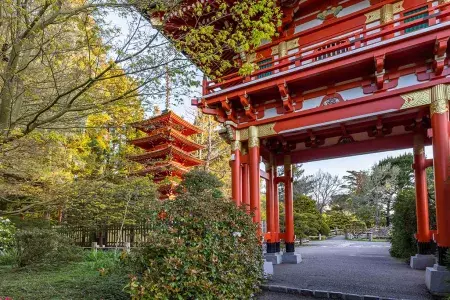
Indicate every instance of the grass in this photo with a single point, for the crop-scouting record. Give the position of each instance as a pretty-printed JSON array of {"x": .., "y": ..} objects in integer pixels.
[{"x": 81, "y": 280}]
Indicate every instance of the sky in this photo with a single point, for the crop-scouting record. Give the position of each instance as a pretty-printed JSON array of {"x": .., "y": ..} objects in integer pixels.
[{"x": 337, "y": 166}]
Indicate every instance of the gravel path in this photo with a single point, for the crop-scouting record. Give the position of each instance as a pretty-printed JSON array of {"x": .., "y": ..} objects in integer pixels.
[{"x": 363, "y": 268}]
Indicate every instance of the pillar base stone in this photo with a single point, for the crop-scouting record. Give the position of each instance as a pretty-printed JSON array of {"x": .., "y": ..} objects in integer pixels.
[
  {"x": 268, "y": 268},
  {"x": 422, "y": 261},
  {"x": 274, "y": 258},
  {"x": 437, "y": 279},
  {"x": 291, "y": 258}
]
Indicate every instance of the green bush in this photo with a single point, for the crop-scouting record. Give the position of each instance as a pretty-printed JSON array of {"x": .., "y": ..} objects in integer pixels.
[
  {"x": 307, "y": 219},
  {"x": 44, "y": 246},
  {"x": 202, "y": 247},
  {"x": 7, "y": 230},
  {"x": 404, "y": 225}
]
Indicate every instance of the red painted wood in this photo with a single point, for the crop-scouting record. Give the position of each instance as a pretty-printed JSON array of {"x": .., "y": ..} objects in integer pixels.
[
  {"x": 289, "y": 207},
  {"x": 236, "y": 177},
  {"x": 423, "y": 223},
  {"x": 439, "y": 123},
  {"x": 389, "y": 143}
]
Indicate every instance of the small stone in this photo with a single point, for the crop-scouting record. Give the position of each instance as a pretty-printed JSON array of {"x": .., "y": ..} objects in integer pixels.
[
  {"x": 320, "y": 294},
  {"x": 277, "y": 288},
  {"x": 305, "y": 292}
]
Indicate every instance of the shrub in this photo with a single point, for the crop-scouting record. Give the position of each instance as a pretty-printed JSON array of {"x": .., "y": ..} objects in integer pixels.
[
  {"x": 404, "y": 225},
  {"x": 44, "y": 246},
  {"x": 7, "y": 230},
  {"x": 203, "y": 247},
  {"x": 198, "y": 181}
]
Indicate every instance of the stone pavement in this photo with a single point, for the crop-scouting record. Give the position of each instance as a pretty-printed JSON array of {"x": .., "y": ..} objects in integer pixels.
[{"x": 351, "y": 267}]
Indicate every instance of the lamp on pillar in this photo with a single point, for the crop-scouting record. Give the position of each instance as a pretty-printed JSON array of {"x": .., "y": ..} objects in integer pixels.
[
  {"x": 437, "y": 277},
  {"x": 289, "y": 237},
  {"x": 424, "y": 258}
]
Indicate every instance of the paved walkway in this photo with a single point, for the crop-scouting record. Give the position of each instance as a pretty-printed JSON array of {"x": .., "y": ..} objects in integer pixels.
[{"x": 363, "y": 268}]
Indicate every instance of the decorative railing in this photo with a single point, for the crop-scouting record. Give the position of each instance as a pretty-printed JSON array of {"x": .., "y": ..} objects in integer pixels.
[{"x": 406, "y": 22}]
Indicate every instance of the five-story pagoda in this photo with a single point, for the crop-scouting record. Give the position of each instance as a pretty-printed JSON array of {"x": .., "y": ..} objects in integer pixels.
[{"x": 168, "y": 150}]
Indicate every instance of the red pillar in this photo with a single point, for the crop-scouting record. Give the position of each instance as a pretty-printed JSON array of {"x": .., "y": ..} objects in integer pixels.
[
  {"x": 423, "y": 224},
  {"x": 254, "y": 160},
  {"x": 270, "y": 208},
  {"x": 439, "y": 123},
  {"x": 236, "y": 172},
  {"x": 276, "y": 211},
  {"x": 289, "y": 236},
  {"x": 245, "y": 187}
]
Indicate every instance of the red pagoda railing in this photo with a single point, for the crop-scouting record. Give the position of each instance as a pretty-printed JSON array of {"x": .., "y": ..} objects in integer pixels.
[{"x": 359, "y": 38}]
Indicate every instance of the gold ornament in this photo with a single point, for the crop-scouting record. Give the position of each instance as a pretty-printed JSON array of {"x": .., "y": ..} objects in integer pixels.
[
  {"x": 253, "y": 139},
  {"x": 236, "y": 145},
  {"x": 386, "y": 14},
  {"x": 439, "y": 99},
  {"x": 417, "y": 98}
]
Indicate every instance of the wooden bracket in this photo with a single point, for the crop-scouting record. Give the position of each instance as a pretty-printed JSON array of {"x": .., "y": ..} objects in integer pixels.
[
  {"x": 379, "y": 70},
  {"x": 440, "y": 49},
  {"x": 285, "y": 97},
  {"x": 227, "y": 108},
  {"x": 245, "y": 101}
]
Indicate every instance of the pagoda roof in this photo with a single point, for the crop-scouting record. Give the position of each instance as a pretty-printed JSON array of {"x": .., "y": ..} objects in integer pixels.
[
  {"x": 161, "y": 170},
  {"x": 167, "y": 119},
  {"x": 163, "y": 151},
  {"x": 166, "y": 135}
]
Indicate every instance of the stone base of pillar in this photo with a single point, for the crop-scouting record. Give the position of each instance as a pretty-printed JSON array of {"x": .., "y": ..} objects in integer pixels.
[
  {"x": 422, "y": 261},
  {"x": 437, "y": 280},
  {"x": 274, "y": 258},
  {"x": 291, "y": 258},
  {"x": 267, "y": 268}
]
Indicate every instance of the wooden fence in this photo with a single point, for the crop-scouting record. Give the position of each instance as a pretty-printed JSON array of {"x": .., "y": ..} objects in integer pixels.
[{"x": 107, "y": 236}]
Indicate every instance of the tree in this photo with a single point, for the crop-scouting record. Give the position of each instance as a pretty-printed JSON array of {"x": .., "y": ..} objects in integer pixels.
[
  {"x": 93, "y": 203},
  {"x": 61, "y": 61},
  {"x": 405, "y": 177},
  {"x": 303, "y": 184},
  {"x": 216, "y": 153},
  {"x": 325, "y": 186},
  {"x": 307, "y": 219}
]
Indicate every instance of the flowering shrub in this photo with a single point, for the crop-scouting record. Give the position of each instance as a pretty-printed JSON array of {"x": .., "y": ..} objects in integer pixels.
[
  {"x": 202, "y": 247},
  {"x": 7, "y": 230}
]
